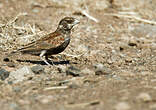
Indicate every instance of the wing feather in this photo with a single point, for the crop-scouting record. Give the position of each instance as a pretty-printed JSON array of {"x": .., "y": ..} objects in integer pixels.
[{"x": 52, "y": 40}]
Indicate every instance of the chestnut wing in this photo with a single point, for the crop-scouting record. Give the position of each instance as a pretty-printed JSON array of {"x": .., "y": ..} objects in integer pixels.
[{"x": 53, "y": 40}]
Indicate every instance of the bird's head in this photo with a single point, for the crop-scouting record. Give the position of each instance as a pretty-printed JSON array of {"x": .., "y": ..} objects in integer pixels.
[{"x": 67, "y": 23}]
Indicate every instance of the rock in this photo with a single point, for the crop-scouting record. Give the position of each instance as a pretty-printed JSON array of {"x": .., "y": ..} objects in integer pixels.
[
  {"x": 132, "y": 43},
  {"x": 35, "y": 10},
  {"x": 11, "y": 64},
  {"x": 73, "y": 71},
  {"x": 76, "y": 82},
  {"x": 4, "y": 74},
  {"x": 20, "y": 75},
  {"x": 128, "y": 60},
  {"x": 101, "y": 70},
  {"x": 122, "y": 106},
  {"x": 6, "y": 59},
  {"x": 45, "y": 99},
  {"x": 38, "y": 69},
  {"x": 144, "y": 97},
  {"x": 88, "y": 71}
]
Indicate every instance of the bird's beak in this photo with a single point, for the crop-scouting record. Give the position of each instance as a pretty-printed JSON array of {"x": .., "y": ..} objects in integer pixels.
[{"x": 76, "y": 22}]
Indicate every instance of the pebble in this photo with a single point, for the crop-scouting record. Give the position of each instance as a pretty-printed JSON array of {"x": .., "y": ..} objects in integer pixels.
[
  {"x": 73, "y": 71},
  {"x": 122, "y": 106},
  {"x": 87, "y": 71},
  {"x": 128, "y": 60},
  {"x": 45, "y": 99},
  {"x": 76, "y": 82},
  {"x": 132, "y": 43},
  {"x": 20, "y": 75},
  {"x": 4, "y": 74},
  {"x": 100, "y": 69},
  {"x": 11, "y": 64},
  {"x": 145, "y": 97},
  {"x": 35, "y": 10},
  {"x": 38, "y": 69}
]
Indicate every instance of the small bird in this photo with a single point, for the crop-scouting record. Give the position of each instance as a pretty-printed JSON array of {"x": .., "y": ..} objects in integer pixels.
[{"x": 53, "y": 43}]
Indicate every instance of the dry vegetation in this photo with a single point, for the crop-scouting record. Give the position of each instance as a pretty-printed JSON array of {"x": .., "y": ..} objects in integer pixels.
[{"x": 109, "y": 64}]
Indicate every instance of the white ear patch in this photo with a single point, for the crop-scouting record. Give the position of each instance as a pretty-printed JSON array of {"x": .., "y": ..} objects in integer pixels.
[{"x": 60, "y": 26}]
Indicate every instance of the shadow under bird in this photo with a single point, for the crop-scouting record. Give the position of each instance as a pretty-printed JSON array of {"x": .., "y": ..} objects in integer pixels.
[{"x": 52, "y": 43}]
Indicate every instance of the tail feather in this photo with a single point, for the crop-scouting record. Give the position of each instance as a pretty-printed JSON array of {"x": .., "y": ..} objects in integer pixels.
[{"x": 12, "y": 53}]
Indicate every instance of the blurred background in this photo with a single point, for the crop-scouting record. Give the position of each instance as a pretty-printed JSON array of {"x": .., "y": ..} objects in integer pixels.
[{"x": 112, "y": 63}]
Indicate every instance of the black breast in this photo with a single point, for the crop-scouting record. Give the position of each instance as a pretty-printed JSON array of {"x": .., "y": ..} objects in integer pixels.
[{"x": 58, "y": 49}]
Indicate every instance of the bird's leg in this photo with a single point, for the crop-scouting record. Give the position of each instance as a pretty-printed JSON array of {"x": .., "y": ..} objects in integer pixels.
[
  {"x": 46, "y": 57},
  {"x": 41, "y": 56}
]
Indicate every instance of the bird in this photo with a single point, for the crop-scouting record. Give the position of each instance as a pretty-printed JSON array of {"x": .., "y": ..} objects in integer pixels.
[{"x": 53, "y": 43}]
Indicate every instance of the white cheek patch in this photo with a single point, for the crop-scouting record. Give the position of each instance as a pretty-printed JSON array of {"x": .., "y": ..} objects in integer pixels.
[{"x": 61, "y": 26}]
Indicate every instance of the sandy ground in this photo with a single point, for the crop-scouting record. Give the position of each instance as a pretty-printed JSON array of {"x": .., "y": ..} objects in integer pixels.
[{"x": 110, "y": 63}]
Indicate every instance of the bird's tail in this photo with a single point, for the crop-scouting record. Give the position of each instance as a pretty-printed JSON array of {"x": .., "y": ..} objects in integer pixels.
[{"x": 7, "y": 56}]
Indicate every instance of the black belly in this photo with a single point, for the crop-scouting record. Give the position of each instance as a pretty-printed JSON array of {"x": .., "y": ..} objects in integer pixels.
[
  {"x": 58, "y": 49},
  {"x": 49, "y": 52}
]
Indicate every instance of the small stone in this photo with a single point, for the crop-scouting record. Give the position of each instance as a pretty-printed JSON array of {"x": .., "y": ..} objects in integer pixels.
[
  {"x": 24, "y": 102},
  {"x": 131, "y": 43},
  {"x": 144, "y": 97},
  {"x": 73, "y": 71},
  {"x": 101, "y": 70},
  {"x": 76, "y": 82},
  {"x": 20, "y": 75},
  {"x": 35, "y": 10},
  {"x": 87, "y": 71},
  {"x": 38, "y": 69},
  {"x": 121, "y": 48},
  {"x": 4, "y": 74},
  {"x": 128, "y": 60},
  {"x": 45, "y": 99},
  {"x": 6, "y": 59},
  {"x": 122, "y": 106},
  {"x": 11, "y": 64}
]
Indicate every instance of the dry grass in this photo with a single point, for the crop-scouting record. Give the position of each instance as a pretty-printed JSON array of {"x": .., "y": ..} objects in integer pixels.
[{"x": 13, "y": 36}]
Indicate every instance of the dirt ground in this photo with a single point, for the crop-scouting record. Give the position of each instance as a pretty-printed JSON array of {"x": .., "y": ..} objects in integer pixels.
[{"x": 110, "y": 63}]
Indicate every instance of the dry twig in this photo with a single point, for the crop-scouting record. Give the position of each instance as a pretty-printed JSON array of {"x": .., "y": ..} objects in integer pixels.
[
  {"x": 133, "y": 17},
  {"x": 95, "y": 102},
  {"x": 56, "y": 87}
]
